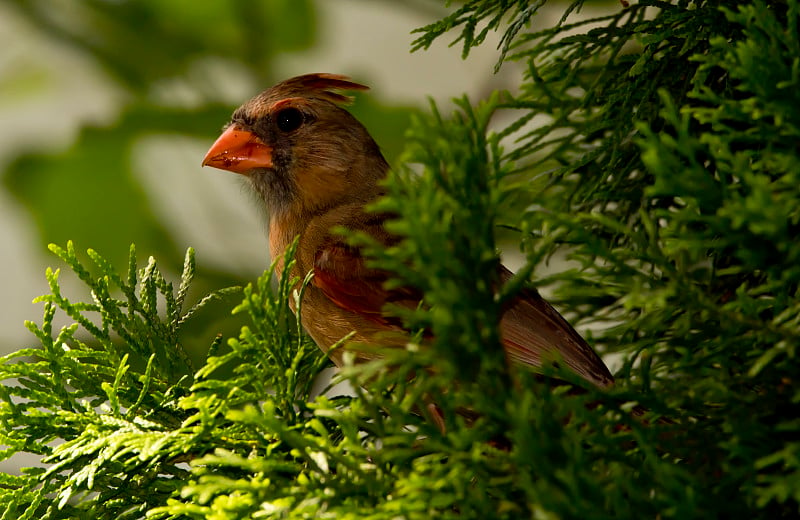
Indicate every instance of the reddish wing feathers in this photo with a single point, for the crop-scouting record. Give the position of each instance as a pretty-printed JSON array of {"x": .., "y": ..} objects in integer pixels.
[{"x": 340, "y": 272}]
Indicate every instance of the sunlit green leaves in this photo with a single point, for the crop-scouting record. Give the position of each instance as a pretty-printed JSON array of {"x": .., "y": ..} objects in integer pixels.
[{"x": 99, "y": 395}]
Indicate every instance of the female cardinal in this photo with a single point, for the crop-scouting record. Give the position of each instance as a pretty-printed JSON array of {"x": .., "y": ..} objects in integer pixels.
[{"x": 316, "y": 167}]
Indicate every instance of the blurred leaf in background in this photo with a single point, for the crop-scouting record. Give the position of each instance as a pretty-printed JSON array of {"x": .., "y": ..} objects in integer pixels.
[{"x": 171, "y": 73}]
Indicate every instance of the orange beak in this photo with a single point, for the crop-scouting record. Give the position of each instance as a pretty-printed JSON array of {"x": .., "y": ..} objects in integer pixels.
[{"x": 238, "y": 151}]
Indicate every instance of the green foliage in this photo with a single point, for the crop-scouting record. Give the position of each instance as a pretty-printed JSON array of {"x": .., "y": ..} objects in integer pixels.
[
  {"x": 120, "y": 399},
  {"x": 663, "y": 162}
]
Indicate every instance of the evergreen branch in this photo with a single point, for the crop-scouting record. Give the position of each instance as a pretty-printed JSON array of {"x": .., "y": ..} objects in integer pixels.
[{"x": 666, "y": 172}]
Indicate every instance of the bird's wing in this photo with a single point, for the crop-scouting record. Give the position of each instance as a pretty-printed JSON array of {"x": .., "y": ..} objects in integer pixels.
[
  {"x": 340, "y": 272},
  {"x": 534, "y": 332},
  {"x": 343, "y": 276}
]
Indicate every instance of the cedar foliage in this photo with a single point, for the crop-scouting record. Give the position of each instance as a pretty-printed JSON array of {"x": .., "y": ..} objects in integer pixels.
[{"x": 664, "y": 164}]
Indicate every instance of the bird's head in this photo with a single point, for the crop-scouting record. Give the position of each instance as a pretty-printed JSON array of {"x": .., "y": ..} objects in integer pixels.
[{"x": 300, "y": 149}]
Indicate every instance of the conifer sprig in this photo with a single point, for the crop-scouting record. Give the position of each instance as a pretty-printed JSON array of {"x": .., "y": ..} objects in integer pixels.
[{"x": 654, "y": 147}]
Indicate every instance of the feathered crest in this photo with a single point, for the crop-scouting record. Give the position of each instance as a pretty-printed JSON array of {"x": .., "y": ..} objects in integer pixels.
[{"x": 319, "y": 85}]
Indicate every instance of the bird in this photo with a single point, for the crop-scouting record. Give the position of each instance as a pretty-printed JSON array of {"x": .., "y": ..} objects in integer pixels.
[{"x": 315, "y": 168}]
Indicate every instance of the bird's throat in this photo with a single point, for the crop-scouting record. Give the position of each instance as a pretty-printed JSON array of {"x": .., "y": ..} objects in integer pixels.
[{"x": 275, "y": 190}]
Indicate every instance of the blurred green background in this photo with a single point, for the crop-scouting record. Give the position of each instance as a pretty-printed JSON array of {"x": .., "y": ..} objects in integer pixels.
[{"x": 107, "y": 108}]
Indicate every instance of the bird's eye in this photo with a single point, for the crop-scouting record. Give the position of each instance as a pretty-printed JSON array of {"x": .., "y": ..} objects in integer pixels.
[{"x": 289, "y": 119}]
